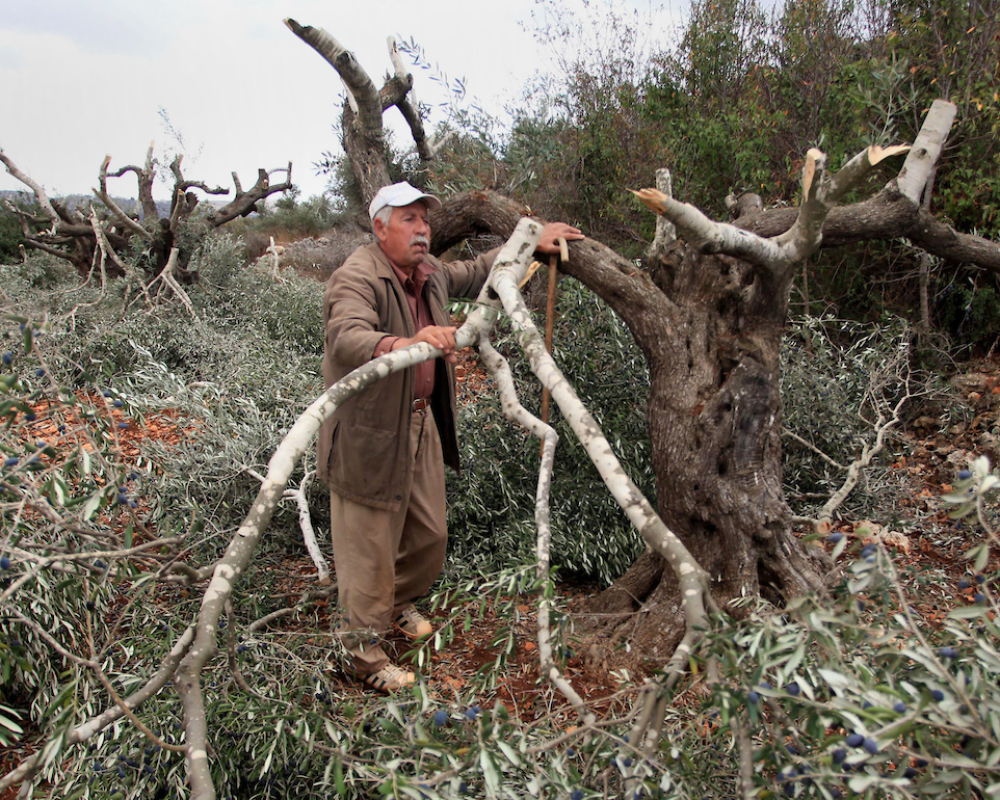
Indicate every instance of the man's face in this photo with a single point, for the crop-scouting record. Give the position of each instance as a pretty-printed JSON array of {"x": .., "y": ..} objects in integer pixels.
[{"x": 406, "y": 239}]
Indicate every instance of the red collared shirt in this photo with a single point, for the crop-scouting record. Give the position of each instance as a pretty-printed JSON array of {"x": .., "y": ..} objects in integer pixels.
[{"x": 413, "y": 286}]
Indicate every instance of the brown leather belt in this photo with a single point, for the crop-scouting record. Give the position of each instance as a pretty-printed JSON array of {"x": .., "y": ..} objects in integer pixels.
[{"x": 421, "y": 403}]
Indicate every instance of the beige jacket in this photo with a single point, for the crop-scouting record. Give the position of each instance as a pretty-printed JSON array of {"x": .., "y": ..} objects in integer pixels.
[{"x": 363, "y": 450}]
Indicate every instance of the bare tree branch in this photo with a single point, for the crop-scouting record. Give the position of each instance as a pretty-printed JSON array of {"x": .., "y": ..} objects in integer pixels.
[
  {"x": 920, "y": 161},
  {"x": 245, "y": 202},
  {"x": 301, "y": 498},
  {"x": 144, "y": 176},
  {"x": 857, "y": 467},
  {"x": 105, "y": 198},
  {"x": 43, "y": 198},
  {"x": 514, "y": 411},
  {"x": 354, "y": 76},
  {"x": 693, "y": 581},
  {"x": 779, "y": 253},
  {"x": 167, "y": 276}
]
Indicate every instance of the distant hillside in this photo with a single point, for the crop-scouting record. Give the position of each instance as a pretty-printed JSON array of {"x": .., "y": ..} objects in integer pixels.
[{"x": 128, "y": 204}]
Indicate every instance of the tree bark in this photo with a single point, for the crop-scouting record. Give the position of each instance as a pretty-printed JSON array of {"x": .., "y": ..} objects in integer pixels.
[
  {"x": 710, "y": 328},
  {"x": 708, "y": 312},
  {"x": 715, "y": 425},
  {"x": 361, "y": 121}
]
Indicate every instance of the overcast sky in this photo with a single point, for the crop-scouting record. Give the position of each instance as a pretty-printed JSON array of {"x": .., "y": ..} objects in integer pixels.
[{"x": 80, "y": 79}]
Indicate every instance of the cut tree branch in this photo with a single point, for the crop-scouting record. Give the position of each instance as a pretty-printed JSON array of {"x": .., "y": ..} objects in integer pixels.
[
  {"x": 696, "y": 598},
  {"x": 144, "y": 177},
  {"x": 779, "y": 253},
  {"x": 515, "y": 412},
  {"x": 245, "y": 202},
  {"x": 507, "y": 269},
  {"x": 40, "y": 195},
  {"x": 361, "y": 87},
  {"x": 105, "y": 198},
  {"x": 920, "y": 161},
  {"x": 31, "y": 766}
]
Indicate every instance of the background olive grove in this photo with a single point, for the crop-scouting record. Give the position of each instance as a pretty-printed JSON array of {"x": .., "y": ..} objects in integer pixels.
[{"x": 732, "y": 108}]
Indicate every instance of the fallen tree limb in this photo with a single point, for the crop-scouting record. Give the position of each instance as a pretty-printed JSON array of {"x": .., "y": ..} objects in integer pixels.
[{"x": 516, "y": 412}]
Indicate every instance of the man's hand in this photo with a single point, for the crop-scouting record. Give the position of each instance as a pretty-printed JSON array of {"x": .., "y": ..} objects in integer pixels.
[
  {"x": 443, "y": 338},
  {"x": 552, "y": 232}
]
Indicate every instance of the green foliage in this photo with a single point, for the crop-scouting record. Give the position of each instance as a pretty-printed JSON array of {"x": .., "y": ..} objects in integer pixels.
[
  {"x": 11, "y": 237},
  {"x": 281, "y": 723},
  {"x": 734, "y": 105},
  {"x": 82, "y": 370},
  {"x": 970, "y": 312},
  {"x": 293, "y": 219},
  {"x": 839, "y": 379},
  {"x": 951, "y": 50},
  {"x": 859, "y": 695}
]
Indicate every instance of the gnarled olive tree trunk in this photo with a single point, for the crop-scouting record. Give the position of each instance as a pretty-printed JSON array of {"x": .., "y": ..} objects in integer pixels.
[
  {"x": 710, "y": 329},
  {"x": 715, "y": 429}
]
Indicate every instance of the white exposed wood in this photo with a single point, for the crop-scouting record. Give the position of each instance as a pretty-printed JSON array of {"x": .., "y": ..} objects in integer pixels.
[
  {"x": 301, "y": 498},
  {"x": 805, "y": 236},
  {"x": 820, "y": 192},
  {"x": 926, "y": 149},
  {"x": 275, "y": 251},
  {"x": 400, "y": 68},
  {"x": 708, "y": 236},
  {"x": 352, "y": 101},
  {"x": 666, "y": 231},
  {"x": 167, "y": 276},
  {"x": 514, "y": 411},
  {"x": 814, "y": 158}
]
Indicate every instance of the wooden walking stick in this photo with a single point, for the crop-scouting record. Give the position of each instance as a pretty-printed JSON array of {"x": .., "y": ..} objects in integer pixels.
[{"x": 550, "y": 312}]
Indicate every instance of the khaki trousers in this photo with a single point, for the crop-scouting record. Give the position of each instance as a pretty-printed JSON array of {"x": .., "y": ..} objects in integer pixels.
[{"x": 387, "y": 559}]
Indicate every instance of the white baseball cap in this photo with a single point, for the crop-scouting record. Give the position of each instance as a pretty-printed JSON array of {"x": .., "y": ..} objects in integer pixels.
[{"x": 400, "y": 194}]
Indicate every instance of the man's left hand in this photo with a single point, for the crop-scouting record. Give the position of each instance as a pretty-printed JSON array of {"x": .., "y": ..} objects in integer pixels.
[{"x": 552, "y": 232}]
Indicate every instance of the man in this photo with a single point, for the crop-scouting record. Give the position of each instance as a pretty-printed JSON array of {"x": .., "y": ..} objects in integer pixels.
[{"x": 383, "y": 451}]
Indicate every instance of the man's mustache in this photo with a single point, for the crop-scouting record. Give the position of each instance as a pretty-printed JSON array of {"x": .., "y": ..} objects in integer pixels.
[{"x": 420, "y": 239}]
